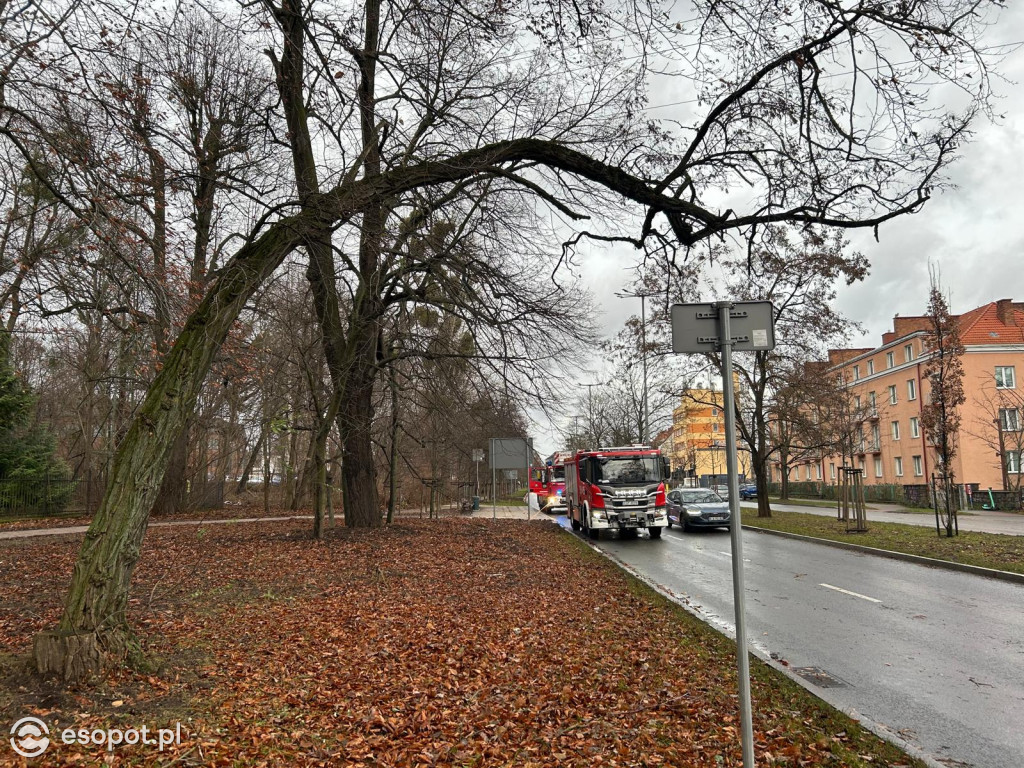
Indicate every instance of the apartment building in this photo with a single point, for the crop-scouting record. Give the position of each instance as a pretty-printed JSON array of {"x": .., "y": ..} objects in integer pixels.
[
  {"x": 888, "y": 389},
  {"x": 698, "y": 439}
]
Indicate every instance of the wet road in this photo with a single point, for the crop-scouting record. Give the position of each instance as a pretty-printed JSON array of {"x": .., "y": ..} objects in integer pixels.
[{"x": 935, "y": 656}]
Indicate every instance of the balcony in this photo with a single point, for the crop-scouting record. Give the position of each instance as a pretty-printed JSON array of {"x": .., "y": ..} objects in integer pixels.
[{"x": 869, "y": 413}]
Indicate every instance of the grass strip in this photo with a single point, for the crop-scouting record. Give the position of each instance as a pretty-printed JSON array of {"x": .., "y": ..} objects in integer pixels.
[{"x": 987, "y": 550}]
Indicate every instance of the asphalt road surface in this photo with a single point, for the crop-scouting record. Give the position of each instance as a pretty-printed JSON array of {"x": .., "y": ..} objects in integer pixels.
[{"x": 935, "y": 656}]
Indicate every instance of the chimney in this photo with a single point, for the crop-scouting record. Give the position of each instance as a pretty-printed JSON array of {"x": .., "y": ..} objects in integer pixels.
[{"x": 1004, "y": 311}]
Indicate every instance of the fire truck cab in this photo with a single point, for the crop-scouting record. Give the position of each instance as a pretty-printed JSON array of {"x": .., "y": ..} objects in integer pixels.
[
  {"x": 618, "y": 489},
  {"x": 553, "y": 499}
]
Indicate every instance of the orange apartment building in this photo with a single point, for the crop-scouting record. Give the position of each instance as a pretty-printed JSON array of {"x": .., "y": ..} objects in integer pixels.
[
  {"x": 698, "y": 439},
  {"x": 888, "y": 389}
]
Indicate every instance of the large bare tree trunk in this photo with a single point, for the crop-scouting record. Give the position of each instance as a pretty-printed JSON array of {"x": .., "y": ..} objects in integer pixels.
[
  {"x": 351, "y": 361},
  {"x": 93, "y": 626}
]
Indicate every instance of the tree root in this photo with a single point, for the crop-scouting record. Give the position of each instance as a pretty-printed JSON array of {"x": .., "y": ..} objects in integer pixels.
[{"x": 77, "y": 656}]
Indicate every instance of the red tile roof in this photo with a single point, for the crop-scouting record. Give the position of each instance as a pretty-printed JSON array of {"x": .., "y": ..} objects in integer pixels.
[{"x": 984, "y": 325}]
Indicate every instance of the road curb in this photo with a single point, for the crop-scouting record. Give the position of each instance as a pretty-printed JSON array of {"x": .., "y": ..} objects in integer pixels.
[
  {"x": 977, "y": 570},
  {"x": 880, "y": 730}
]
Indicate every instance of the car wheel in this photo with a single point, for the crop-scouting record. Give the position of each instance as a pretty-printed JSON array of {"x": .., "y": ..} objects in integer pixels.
[{"x": 686, "y": 526}]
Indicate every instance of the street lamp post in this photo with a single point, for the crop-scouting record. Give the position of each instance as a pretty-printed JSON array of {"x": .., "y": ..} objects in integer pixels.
[
  {"x": 645, "y": 427},
  {"x": 590, "y": 407},
  {"x": 643, "y": 347}
]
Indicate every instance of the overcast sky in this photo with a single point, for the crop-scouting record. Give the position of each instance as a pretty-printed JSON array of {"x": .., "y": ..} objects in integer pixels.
[{"x": 974, "y": 233}]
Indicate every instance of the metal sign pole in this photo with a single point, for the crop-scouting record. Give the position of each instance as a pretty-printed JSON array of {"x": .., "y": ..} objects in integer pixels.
[{"x": 735, "y": 531}]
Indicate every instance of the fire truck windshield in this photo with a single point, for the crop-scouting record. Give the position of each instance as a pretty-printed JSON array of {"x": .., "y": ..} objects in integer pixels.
[
  {"x": 628, "y": 470},
  {"x": 558, "y": 473}
]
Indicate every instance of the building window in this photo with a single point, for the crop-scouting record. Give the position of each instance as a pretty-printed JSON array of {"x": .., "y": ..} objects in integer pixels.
[
  {"x": 915, "y": 427},
  {"x": 898, "y": 461},
  {"x": 892, "y": 395},
  {"x": 918, "y": 467},
  {"x": 895, "y": 430},
  {"x": 856, "y": 402},
  {"x": 714, "y": 412},
  {"x": 856, "y": 372},
  {"x": 876, "y": 437},
  {"x": 878, "y": 466},
  {"x": 1009, "y": 419},
  {"x": 1005, "y": 378},
  {"x": 908, "y": 352},
  {"x": 889, "y": 361},
  {"x": 817, "y": 472},
  {"x": 714, "y": 427},
  {"x": 871, "y": 367},
  {"x": 911, "y": 389},
  {"x": 807, "y": 471},
  {"x": 832, "y": 471},
  {"x": 1013, "y": 461}
]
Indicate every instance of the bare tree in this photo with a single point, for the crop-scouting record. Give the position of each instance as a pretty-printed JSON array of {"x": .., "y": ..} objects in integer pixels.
[{"x": 782, "y": 111}]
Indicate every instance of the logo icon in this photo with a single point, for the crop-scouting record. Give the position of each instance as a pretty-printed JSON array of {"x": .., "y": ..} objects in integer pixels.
[{"x": 30, "y": 737}]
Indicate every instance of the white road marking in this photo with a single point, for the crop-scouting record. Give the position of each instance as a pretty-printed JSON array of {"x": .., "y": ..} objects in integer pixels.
[
  {"x": 729, "y": 554},
  {"x": 852, "y": 594}
]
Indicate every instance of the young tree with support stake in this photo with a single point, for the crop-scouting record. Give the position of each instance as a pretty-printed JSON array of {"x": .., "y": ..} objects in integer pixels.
[{"x": 940, "y": 419}]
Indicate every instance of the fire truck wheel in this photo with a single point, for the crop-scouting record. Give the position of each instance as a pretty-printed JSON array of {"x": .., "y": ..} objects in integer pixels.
[
  {"x": 575, "y": 523},
  {"x": 654, "y": 532},
  {"x": 593, "y": 533}
]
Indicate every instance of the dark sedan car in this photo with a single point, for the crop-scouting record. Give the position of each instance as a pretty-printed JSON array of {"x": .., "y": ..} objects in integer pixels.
[
  {"x": 697, "y": 508},
  {"x": 748, "y": 491}
]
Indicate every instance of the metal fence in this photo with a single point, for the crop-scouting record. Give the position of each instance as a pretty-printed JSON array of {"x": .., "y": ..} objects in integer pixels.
[
  {"x": 46, "y": 495},
  {"x": 908, "y": 495}
]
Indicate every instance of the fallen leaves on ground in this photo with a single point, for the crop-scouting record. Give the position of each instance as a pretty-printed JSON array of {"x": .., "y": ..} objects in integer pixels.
[{"x": 454, "y": 642}]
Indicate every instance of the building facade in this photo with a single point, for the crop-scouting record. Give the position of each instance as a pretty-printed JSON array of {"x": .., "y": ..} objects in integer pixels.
[
  {"x": 698, "y": 440},
  {"x": 888, "y": 390}
]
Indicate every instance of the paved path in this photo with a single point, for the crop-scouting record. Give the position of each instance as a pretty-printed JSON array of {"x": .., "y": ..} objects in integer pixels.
[
  {"x": 980, "y": 520},
  {"x": 28, "y": 532},
  {"x": 487, "y": 512}
]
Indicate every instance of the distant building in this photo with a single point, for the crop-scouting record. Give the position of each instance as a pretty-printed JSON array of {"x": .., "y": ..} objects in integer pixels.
[
  {"x": 698, "y": 440},
  {"x": 888, "y": 388}
]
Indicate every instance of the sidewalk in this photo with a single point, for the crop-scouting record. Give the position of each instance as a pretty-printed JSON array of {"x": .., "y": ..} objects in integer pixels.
[
  {"x": 485, "y": 512},
  {"x": 979, "y": 520}
]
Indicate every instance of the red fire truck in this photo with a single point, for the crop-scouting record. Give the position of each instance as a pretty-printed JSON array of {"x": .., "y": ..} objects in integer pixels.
[
  {"x": 548, "y": 482},
  {"x": 552, "y": 500},
  {"x": 617, "y": 489}
]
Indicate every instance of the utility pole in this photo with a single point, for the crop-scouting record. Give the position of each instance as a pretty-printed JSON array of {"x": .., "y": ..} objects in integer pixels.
[{"x": 643, "y": 349}]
